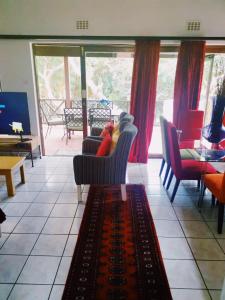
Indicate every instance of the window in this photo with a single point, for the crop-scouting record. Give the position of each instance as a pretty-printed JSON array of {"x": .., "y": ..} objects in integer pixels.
[{"x": 164, "y": 98}]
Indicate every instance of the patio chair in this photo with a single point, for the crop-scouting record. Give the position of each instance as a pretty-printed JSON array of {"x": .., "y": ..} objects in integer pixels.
[
  {"x": 73, "y": 121},
  {"x": 99, "y": 116},
  {"x": 50, "y": 119}
]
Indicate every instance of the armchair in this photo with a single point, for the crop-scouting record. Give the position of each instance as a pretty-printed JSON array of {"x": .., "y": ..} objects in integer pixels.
[{"x": 111, "y": 169}]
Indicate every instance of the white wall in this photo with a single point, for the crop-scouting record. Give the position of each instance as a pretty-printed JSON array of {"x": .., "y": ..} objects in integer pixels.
[
  {"x": 115, "y": 17},
  {"x": 16, "y": 73}
]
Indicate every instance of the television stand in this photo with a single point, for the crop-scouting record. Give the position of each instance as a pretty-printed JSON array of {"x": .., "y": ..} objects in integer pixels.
[{"x": 12, "y": 144}]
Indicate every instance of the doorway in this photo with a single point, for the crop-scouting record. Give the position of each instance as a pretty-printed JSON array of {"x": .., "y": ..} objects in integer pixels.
[{"x": 69, "y": 76}]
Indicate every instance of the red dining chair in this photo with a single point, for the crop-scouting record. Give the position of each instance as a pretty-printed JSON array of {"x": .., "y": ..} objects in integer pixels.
[
  {"x": 183, "y": 169},
  {"x": 191, "y": 128}
]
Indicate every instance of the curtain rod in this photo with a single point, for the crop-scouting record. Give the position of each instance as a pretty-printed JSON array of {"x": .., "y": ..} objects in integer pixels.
[{"x": 88, "y": 37}]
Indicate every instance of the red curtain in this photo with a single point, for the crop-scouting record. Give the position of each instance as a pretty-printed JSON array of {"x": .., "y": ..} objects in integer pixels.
[
  {"x": 188, "y": 80},
  {"x": 143, "y": 95}
]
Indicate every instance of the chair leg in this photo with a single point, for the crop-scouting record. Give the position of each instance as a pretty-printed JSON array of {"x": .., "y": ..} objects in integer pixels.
[
  {"x": 175, "y": 190},
  {"x": 123, "y": 192},
  {"x": 162, "y": 166},
  {"x": 79, "y": 194},
  {"x": 220, "y": 217},
  {"x": 166, "y": 174},
  {"x": 202, "y": 193},
  {"x": 170, "y": 179},
  {"x": 213, "y": 200},
  {"x": 198, "y": 184}
]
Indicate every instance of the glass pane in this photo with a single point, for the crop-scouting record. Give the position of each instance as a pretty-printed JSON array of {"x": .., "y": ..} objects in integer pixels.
[
  {"x": 205, "y": 82},
  {"x": 164, "y": 99},
  {"x": 75, "y": 78},
  {"x": 50, "y": 75},
  {"x": 218, "y": 71},
  {"x": 110, "y": 78}
]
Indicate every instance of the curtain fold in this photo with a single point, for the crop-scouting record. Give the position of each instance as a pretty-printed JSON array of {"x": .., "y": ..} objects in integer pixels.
[
  {"x": 143, "y": 96},
  {"x": 188, "y": 79}
]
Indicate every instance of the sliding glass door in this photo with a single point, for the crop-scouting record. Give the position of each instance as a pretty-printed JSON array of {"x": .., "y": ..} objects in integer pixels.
[
  {"x": 164, "y": 98},
  {"x": 79, "y": 77}
]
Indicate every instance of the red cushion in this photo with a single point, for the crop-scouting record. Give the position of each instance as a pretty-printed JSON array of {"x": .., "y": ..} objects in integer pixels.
[
  {"x": 107, "y": 129},
  {"x": 104, "y": 147}
]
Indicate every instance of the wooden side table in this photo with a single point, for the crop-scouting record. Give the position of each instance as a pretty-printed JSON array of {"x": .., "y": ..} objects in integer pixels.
[{"x": 8, "y": 164}]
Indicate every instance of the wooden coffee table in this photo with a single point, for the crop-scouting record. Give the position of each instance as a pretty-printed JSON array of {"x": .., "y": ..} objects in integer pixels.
[{"x": 8, "y": 164}]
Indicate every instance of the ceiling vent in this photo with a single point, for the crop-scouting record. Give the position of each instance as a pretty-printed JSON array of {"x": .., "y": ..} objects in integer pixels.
[
  {"x": 193, "y": 26},
  {"x": 82, "y": 24}
]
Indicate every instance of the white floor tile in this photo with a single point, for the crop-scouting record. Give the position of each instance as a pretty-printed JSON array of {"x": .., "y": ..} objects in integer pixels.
[
  {"x": 183, "y": 274},
  {"x": 168, "y": 228},
  {"x": 76, "y": 226},
  {"x": 39, "y": 210},
  {"x": 67, "y": 198},
  {"x": 63, "y": 270},
  {"x": 9, "y": 224},
  {"x": 28, "y": 292},
  {"x": 213, "y": 273},
  {"x": 5, "y": 290},
  {"x": 34, "y": 271},
  {"x": 19, "y": 244},
  {"x": 175, "y": 248},
  {"x": 11, "y": 266},
  {"x": 16, "y": 209},
  {"x": 70, "y": 246},
  {"x": 58, "y": 226},
  {"x": 30, "y": 225},
  {"x": 50, "y": 245},
  {"x": 57, "y": 292},
  {"x": 184, "y": 294},
  {"x": 196, "y": 229},
  {"x": 206, "y": 249},
  {"x": 64, "y": 210},
  {"x": 47, "y": 197}
]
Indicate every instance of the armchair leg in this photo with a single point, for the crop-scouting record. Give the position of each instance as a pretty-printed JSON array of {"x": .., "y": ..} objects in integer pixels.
[
  {"x": 123, "y": 192},
  {"x": 79, "y": 194}
]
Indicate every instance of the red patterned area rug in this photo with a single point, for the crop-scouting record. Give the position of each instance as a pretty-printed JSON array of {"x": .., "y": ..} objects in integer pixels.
[{"x": 117, "y": 255}]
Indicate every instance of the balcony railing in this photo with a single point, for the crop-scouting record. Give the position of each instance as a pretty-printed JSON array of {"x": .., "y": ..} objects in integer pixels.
[{"x": 53, "y": 108}]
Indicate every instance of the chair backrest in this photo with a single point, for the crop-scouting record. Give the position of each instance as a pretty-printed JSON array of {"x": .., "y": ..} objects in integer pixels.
[
  {"x": 73, "y": 118},
  {"x": 120, "y": 155},
  {"x": 174, "y": 150},
  {"x": 125, "y": 117},
  {"x": 164, "y": 134},
  {"x": 192, "y": 125},
  {"x": 99, "y": 116}
]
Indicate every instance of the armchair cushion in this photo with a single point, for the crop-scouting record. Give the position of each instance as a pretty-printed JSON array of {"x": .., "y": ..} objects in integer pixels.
[
  {"x": 104, "y": 147},
  {"x": 115, "y": 137}
]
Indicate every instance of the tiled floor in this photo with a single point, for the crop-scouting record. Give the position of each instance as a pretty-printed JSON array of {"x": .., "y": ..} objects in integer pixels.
[{"x": 43, "y": 221}]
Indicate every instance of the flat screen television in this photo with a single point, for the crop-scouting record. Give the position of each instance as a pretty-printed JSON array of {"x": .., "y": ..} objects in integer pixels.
[{"x": 14, "y": 108}]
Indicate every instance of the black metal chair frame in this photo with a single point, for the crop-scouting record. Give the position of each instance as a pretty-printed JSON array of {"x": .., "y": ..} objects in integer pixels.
[{"x": 73, "y": 121}]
